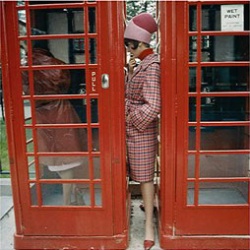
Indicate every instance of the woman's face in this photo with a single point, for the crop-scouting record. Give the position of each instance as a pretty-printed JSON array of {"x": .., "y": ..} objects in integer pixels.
[{"x": 135, "y": 52}]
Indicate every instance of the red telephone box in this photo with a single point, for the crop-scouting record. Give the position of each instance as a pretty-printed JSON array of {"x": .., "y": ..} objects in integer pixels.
[
  {"x": 63, "y": 91},
  {"x": 204, "y": 188}
]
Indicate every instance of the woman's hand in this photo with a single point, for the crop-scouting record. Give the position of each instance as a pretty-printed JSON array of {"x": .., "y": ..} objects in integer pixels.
[{"x": 131, "y": 64}]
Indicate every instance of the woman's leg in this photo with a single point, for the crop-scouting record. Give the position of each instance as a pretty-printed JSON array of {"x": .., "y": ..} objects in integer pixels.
[{"x": 148, "y": 193}]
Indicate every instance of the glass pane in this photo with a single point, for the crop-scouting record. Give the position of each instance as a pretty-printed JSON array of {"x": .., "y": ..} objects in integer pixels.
[
  {"x": 27, "y": 112},
  {"x": 225, "y": 79},
  {"x": 94, "y": 111},
  {"x": 82, "y": 194},
  {"x": 224, "y": 138},
  {"x": 69, "y": 51},
  {"x": 190, "y": 193},
  {"x": 97, "y": 167},
  {"x": 64, "y": 167},
  {"x": 225, "y": 48},
  {"x": 98, "y": 195},
  {"x": 22, "y": 22},
  {"x": 224, "y": 193},
  {"x": 225, "y": 109},
  {"x": 23, "y": 53},
  {"x": 29, "y": 140},
  {"x": 32, "y": 167},
  {"x": 95, "y": 139},
  {"x": 192, "y": 138},
  {"x": 92, "y": 20},
  {"x": 211, "y": 16},
  {"x": 191, "y": 166},
  {"x": 33, "y": 194},
  {"x": 225, "y": 165},
  {"x": 192, "y": 79},
  {"x": 192, "y": 18},
  {"x": 193, "y": 48},
  {"x": 192, "y": 109},
  {"x": 93, "y": 51},
  {"x": 25, "y": 82},
  {"x": 65, "y": 194}
]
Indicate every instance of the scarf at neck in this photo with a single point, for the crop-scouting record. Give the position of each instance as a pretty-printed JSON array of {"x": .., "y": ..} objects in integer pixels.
[{"x": 145, "y": 53}]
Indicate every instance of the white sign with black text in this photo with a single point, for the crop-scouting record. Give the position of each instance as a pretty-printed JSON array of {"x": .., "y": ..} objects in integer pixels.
[{"x": 232, "y": 17}]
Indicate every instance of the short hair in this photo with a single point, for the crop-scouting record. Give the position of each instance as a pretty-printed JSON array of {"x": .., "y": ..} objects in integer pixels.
[{"x": 134, "y": 43}]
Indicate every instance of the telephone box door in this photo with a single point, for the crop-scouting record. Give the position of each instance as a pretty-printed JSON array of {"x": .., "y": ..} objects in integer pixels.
[
  {"x": 205, "y": 178},
  {"x": 61, "y": 109}
]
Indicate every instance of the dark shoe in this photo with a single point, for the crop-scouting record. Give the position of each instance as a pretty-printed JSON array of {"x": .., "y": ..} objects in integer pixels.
[
  {"x": 148, "y": 244},
  {"x": 143, "y": 208}
]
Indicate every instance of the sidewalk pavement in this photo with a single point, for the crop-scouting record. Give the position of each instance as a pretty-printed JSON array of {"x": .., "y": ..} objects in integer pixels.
[{"x": 7, "y": 223}]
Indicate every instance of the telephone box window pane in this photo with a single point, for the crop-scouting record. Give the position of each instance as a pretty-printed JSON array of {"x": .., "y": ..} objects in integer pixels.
[
  {"x": 94, "y": 111},
  {"x": 192, "y": 79},
  {"x": 33, "y": 194},
  {"x": 191, "y": 166},
  {"x": 29, "y": 140},
  {"x": 193, "y": 49},
  {"x": 224, "y": 165},
  {"x": 223, "y": 193},
  {"x": 81, "y": 193},
  {"x": 64, "y": 194},
  {"x": 57, "y": 21},
  {"x": 192, "y": 109},
  {"x": 93, "y": 51},
  {"x": 95, "y": 140},
  {"x": 92, "y": 20},
  {"x": 32, "y": 167},
  {"x": 225, "y": 109},
  {"x": 98, "y": 195},
  {"x": 27, "y": 112},
  {"x": 20, "y": 3},
  {"x": 211, "y": 17},
  {"x": 97, "y": 166},
  {"x": 224, "y": 138},
  {"x": 192, "y": 18},
  {"x": 22, "y": 22},
  {"x": 69, "y": 51},
  {"x": 25, "y": 82},
  {"x": 23, "y": 53},
  {"x": 220, "y": 79},
  {"x": 64, "y": 167},
  {"x": 190, "y": 193},
  {"x": 225, "y": 48},
  {"x": 192, "y": 138}
]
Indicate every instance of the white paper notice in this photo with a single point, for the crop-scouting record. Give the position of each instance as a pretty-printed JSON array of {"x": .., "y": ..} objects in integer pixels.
[{"x": 232, "y": 17}]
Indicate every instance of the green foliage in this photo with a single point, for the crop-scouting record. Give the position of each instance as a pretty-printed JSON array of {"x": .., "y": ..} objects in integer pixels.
[{"x": 4, "y": 157}]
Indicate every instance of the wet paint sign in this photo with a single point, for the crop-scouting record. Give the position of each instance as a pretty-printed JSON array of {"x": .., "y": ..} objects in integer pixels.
[{"x": 232, "y": 17}]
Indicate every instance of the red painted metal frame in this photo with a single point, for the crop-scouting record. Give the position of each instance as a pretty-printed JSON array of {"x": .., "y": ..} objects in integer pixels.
[
  {"x": 114, "y": 222},
  {"x": 182, "y": 226}
]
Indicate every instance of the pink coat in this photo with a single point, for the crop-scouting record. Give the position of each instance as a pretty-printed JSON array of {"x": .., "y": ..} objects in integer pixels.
[{"x": 142, "y": 106}]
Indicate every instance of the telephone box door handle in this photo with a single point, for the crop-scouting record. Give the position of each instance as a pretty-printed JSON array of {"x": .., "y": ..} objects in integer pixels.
[{"x": 105, "y": 81}]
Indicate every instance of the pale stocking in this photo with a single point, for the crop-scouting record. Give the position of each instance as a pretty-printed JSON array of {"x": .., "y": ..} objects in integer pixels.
[
  {"x": 147, "y": 190},
  {"x": 67, "y": 187}
]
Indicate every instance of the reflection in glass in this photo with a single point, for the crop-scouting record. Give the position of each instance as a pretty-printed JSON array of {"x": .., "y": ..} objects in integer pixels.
[
  {"x": 92, "y": 19},
  {"x": 95, "y": 139},
  {"x": 31, "y": 167},
  {"x": 25, "y": 82},
  {"x": 224, "y": 138},
  {"x": 98, "y": 194},
  {"x": 64, "y": 167},
  {"x": 29, "y": 140},
  {"x": 23, "y": 53},
  {"x": 192, "y": 138},
  {"x": 192, "y": 18},
  {"x": 225, "y": 165},
  {"x": 225, "y": 109},
  {"x": 97, "y": 166},
  {"x": 211, "y": 17},
  {"x": 225, "y": 78},
  {"x": 94, "y": 110},
  {"x": 226, "y": 48},
  {"x": 224, "y": 193}
]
